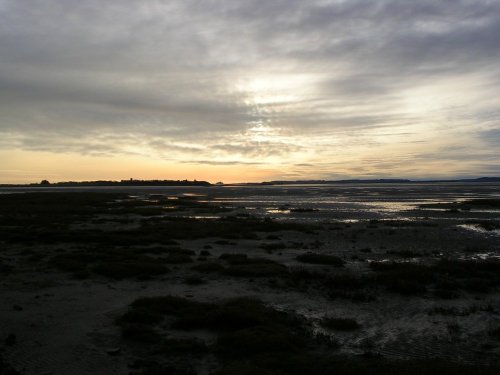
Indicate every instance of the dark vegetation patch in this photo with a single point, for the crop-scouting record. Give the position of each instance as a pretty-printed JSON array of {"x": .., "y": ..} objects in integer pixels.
[
  {"x": 240, "y": 265},
  {"x": 273, "y": 237},
  {"x": 315, "y": 258},
  {"x": 406, "y": 253},
  {"x": 226, "y": 227},
  {"x": 178, "y": 258},
  {"x": 184, "y": 346},
  {"x": 486, "y": 225},
  {"x": 194, "y": 280},
  {"x": 494, "y": 333},
  {"x": 208, "y": 267},
  {"x": 252, "y": 338},
  {"x": 49, "y": 218},
  {"x": 44, "y": 208},
  {"x": 307, "y": 363},
  {"x": 404, "y": 278},
  {"x": 303, "y": 210},
  {"x": 166, "y": 247},
  {"x": 228, "y": 316},
  {"x": 482, "y": 202},
  {"x": 445, "y": 275},
  {"x": 6, "y": 368},
  {"x": 5, "y": 268},
  {"x": 340, "y": 324},
  {"x": 446, "y": 279},
  {"x": 466, "y": 204},
  {"x": 273, "y": 246},
  {"x": 345, "y": 285},
  {"x": 224, "y": 243},
  {"x": 142, "y": 333},
  {"x": 256, "y": 269},
  {"x": 113, "y": 263},
  {"x": 461, "y": 311},
  {"x": 245, "y": 328}
]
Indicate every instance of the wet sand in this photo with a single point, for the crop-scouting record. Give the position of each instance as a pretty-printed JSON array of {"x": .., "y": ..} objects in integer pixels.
[{"x": 60, "y": 308}]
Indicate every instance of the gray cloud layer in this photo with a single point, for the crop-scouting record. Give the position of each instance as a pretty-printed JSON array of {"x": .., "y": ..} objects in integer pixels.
[{"x": 256, "y": 82}]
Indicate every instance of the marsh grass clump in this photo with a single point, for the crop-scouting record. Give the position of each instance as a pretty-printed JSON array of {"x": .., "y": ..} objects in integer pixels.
[
  {"x": 340, "y": 324},
  {"x": 349, "y": 286},
  {"x": 240, "y": 265},
  {"x": 5, "y": 268},
  {"x": 170, "y": 305},
  {"x": 448, "y": 276},
  {"x": 494, "y": 333},
  {"x": 178, "y": 258},
  {"x": 47, "y": 208},
  {"x": 234, "y": 258},
  {"x": 112, "y": 263},
  {"x": 488, "y": 225},
  {"x": 253, "y": 267},
  {"x": 466, "y": 205},
  {"x": 404, "y": 278},
  {"x": 141, "y": 333},
  {"x": 253, "y": 338},
  {"x": 339, "y": 285},
  {"x": 258, "y": 339},
  {"x": 179, "y": 346},
  {"x": 141, "y": 315},
  {"x": 472, "y": 275},
  {"x": 406, "y": 253},
  {"x": 256, "y": 269},
  {"x": 461, "y": 311},
  {"x": 127, "y": 269},
  {"x": 224, "y": 243},
  {"x": 307, "y": 362},
  {"x": 245, "y": 327},
  {"x": 7, "y": 369},
  {"x": 299, "y": 274},
  {"x": 273, "y": 246},
  {"x": 325, "y": 259},
  {"x": 208, "y": 267},
  {"x": 93, "y": 219},
  {"x": 228, "y": 316},
  {"x": 446, "y": 294},
  {"x": 225, "y": 228},
  {"x": 194, "y": 280},
  {"x": 481, "y": 202},
  {"x": 167, "y": 247},
  {"x": 303, "y": 210}
]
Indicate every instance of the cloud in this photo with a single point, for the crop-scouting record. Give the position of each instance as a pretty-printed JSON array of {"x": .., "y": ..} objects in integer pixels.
[
  {"x": 215, "y": 162},
  {"x": 329, "y": 81}
]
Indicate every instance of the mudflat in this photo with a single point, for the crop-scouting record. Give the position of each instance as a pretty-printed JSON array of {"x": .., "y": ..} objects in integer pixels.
[{"x": 344, "y": 279}]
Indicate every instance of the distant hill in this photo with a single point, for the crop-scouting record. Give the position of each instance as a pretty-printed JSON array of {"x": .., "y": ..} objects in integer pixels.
[{"x": 375, "y": 181}]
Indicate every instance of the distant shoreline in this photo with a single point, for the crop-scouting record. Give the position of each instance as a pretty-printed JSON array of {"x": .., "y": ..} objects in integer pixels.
[{"x": 174, "y": 183}]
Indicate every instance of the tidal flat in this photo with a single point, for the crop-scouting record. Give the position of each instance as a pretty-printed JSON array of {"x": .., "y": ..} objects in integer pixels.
[{"x": 344, "y": 279}]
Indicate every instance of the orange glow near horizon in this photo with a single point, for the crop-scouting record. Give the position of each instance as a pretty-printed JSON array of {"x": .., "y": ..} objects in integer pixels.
[{"x": 73, "y": 167}]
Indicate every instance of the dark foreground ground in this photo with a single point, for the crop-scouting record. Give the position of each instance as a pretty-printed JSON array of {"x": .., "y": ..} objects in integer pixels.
[{"x": 283, "y": 281}]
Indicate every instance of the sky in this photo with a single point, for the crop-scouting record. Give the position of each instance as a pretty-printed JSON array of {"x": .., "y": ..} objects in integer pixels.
[{"x": 242, "y": 90}]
